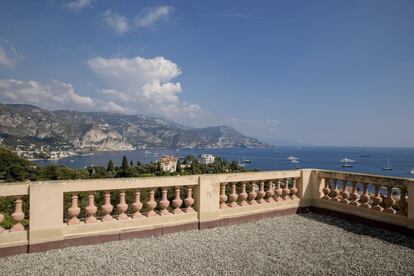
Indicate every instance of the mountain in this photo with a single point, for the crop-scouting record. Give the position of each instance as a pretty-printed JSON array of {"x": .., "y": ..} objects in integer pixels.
[{"x": 98, "y": 131}]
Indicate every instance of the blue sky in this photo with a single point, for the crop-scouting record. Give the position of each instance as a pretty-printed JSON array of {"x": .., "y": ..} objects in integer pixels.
[{"x": 317, "y": 72}]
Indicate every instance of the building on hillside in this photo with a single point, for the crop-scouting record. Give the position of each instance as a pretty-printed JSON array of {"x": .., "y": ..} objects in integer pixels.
[
  {"x": 207, "y": 158},
  {"x": 168, "y": 163}
]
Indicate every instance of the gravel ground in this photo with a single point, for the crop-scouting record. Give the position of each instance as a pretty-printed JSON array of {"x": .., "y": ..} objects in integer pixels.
[{"x": 308, "y": 244}]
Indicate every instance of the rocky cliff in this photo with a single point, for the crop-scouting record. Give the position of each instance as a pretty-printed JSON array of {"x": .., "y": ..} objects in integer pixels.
[{"x": 110, "y": 131}]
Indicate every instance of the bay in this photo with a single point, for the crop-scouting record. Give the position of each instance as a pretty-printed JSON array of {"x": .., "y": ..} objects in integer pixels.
[{"x": 368, "y": 160}]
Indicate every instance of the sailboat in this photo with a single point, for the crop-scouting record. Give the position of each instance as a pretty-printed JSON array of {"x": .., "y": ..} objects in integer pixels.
[{"x": 388, "y": 167}]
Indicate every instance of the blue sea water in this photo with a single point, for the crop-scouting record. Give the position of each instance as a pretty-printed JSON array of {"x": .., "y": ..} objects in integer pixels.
[{"x": 401, "y": 159}]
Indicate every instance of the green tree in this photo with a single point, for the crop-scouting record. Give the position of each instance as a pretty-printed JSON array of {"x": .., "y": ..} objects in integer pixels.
[
  {"x": 16, "y": 172},
  {"x": 125, "y": 163},
  {"x": 110, "y": 167},
  {"x": 178, "y": 166},
  {"x": 14, "y": 167}
]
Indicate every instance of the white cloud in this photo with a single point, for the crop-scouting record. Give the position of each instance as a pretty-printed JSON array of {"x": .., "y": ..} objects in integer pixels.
[
  {"x": 117, "y": 22},
  {"x": 146, "y": 18},
  {"x": 5, "y": 59},
  {"x": 113, "y": 93},
  {"x": 191, "y": 109},
  {"x": 8, "y": 54},
  {"x": 143, "y": 85},
  {"x": 113, "y": 107},
  {"x": 149, "y": 16},
  {"x": 78, "y": 5},
  {"x": 54, "y": 95}
]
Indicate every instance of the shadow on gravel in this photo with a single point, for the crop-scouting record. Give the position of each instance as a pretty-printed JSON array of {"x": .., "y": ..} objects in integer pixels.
[{"x": 361, "y": 229}]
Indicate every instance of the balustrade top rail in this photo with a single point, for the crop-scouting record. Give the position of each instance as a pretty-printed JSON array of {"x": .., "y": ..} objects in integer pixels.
[
  {"x": 109, "y": 184},
  {"x": 366, "y": 178},
  {"x": 13, "y": 189}
]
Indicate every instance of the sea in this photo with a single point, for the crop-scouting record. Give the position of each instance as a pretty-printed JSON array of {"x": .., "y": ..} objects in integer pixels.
[{"x": 367, "y": 160}]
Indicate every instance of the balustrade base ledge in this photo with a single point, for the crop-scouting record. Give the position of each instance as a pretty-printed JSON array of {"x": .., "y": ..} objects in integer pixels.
[
  {"x": 226, "y": 221},
  {"x": 365, "y": 221},
  {"x": 46, "y": 246}
]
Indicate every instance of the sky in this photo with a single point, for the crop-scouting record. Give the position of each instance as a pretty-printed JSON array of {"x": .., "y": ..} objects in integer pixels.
[{"x": 322, "y": 72}]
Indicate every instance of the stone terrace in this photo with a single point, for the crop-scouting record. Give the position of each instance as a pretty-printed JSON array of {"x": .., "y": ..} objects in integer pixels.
[{"x": 305, "y": 244}]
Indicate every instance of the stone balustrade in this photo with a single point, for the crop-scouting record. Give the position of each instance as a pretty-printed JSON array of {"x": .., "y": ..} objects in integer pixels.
[
  {"x": 63, "y": 213},
  {"x": 152, "y": 207},
  {"x": 370, "y": 196},
  {"x": 234, "y": 194}
]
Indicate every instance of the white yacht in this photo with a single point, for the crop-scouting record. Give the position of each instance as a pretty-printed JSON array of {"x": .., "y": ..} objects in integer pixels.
[
  {"x": 412, "y": 171},
  {"x": 346, "y": 160},
  {"x": 291, "y": 158}
]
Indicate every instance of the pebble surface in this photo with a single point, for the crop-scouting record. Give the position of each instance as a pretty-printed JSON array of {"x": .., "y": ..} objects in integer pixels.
[{"x": 306, "y": 244}]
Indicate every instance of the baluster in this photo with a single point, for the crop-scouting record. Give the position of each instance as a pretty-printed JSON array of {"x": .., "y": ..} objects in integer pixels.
[
  {"x": 252, "y": 194},
  {"x": 74, "y": 210},
  {"x": 223, "y": 196},
  {"x": 286, "y": 190},
  {"x": 270, "y": 193},
  {"x": 354, "y": 194},
  {"x": 233, "y": 196},
  {"x": 164, "y": 203},
  {"x": 243, "y": 195},
  {"x": 261, "y": 194},
  {"x": 365, "y": 197},
  {"x": 335, "y": 192},
  {"x": 294, "y": 189},
  {"x": 122, "y": 207},
  {"x": 389, "y": 201},
  {"x": 326, "y": 189},
  {"x": 91, "y": 208},
  {"x": 377, "y": 198},
  {"x": 137, "y": 205},
  {"x": 151, "y": 204},
  {"x": 107, "y": 207},
  {"x": 402, "y": 202},
  {"x": 278, "y": 190},
  {"x": 344, "y": 192},
  {"x": 1, "y": 220},
  {"x": 189, "y": 201},
  {"x": 18, "y": 215},
  {"x": 177, "y": 202}
]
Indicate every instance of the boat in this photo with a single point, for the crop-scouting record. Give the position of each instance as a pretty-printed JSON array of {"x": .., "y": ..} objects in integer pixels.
[
  {"x": 388, "y": 167},
  {"x": 366, "y": 156},
  {"x": 295, "y": 161},
  {"x": 246, "y": 161},
  {"x": 347, "y": 166},
  {"x": 291, "y": 158},
  {"x": 346, "y": 160},
  {"x": 72, "y": 161},
  {"x": 87, "y": 154},
  {"x": 411, "y": 172}
]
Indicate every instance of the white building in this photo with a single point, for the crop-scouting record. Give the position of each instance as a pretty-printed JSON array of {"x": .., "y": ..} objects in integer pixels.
[
  {"x": 207, "y": 159},
  {"x": 168, "y": 163}
]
